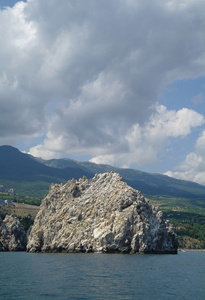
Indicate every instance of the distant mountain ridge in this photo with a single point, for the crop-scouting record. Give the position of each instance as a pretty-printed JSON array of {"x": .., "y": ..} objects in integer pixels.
[
  {"x": 148, "y": 183},
  {"x": 32, "y": 176}
]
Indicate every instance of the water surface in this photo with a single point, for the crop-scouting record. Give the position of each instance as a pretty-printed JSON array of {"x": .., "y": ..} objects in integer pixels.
[{"x": 102, "y": 276}]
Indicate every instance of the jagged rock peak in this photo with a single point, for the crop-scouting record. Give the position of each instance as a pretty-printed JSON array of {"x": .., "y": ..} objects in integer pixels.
[
  {"x": 12, "y": 235},
  {"x": 102, "y": 214}
]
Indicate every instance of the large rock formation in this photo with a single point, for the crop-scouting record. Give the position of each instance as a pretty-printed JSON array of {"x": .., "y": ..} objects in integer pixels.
[
  {"x": 102, "y": 214},
  {"x": 12, "y": 235}
]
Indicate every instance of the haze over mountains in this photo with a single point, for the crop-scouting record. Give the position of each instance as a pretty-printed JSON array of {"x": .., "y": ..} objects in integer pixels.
[{"x": 31, "y": 176}]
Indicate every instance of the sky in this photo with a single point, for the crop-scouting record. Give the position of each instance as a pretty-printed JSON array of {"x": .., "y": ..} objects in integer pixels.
[{"x": 119, "y": 82}]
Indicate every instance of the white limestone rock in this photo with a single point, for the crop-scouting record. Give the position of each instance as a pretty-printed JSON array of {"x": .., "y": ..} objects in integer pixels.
[
  {"x": 102, "y": 214},
  {"x": 12, "y": 235}
]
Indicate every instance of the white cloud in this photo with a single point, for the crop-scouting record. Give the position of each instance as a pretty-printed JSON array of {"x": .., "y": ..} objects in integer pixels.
[
  {"x": 87, "y": 75},
  {"x": 144, "y": 143},
  {"x": 193, "y": 167},
  {"x": 116, "y": 144}
]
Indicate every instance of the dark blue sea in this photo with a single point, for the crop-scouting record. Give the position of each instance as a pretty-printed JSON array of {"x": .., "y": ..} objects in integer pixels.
[{"x": 102, "y": 276}]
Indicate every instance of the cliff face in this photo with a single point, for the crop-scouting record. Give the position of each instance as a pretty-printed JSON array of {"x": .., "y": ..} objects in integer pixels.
[
  {"x": 12, "y": 235},
  {"x": 103, "y": 214}
]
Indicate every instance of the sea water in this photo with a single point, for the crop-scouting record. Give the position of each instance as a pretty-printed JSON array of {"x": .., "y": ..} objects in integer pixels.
[{"x": 102, "y": 276}]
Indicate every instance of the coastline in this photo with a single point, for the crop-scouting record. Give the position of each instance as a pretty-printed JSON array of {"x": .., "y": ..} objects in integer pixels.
[{"x": 195, "y": 250}]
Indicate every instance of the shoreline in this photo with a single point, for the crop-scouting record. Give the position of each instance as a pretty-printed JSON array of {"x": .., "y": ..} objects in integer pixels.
[{"x": 186, "y": 250}]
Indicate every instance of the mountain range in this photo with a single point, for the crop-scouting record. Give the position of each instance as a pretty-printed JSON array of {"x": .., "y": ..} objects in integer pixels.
[{"x": 31, "y": 176}]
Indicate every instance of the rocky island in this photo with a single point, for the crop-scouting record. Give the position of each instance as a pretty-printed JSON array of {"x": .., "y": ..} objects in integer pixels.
[
  {"x": 12, "y": 235},
  {"x": 102, "y": 214}
]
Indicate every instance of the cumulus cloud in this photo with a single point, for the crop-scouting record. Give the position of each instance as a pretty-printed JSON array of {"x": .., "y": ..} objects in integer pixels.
[
  {"x": 87, "y": 75},
  {"x": 193, "y": 167},
  {"x": 144, "y": 143},
  {"x": 123, "y": 145}
]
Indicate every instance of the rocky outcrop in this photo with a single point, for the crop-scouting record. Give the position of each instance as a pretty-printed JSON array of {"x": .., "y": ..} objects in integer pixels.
[
  {"x": 102, "y": 214},
  {"x": 12, "y": 235}
]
